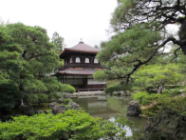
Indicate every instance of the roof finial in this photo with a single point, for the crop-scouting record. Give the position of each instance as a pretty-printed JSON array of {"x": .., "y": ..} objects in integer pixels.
[{"x": 81, "y": 41}]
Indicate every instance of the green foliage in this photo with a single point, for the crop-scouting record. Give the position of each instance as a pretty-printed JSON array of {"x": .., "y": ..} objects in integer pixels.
[
  {"x": 9, "y": 96},
  {"x": 114, "y": 86},
  {"x": 177, "y": 104},
  {"x": 168, "y": 104},
  {"x": 72, "y": 125},
  {"x": 28, "y": 59},
  {"x": 146, "y": 98},
  {"x": 139, "y": 39},
  {"x": 169, "y": 78},
  {"x": 57, "y": 40},
  {"x": 68, "y": 88},
  {"x": 156, "y": 78},
  {"x": 139, "y": 43},
  {"x": 35, "y": 99},
  {"x": 174, "y": 91},
  {"x": 99, "y": 75},
  {"x": 125, "y": 50},
  {"x": 122, "y": 9}
]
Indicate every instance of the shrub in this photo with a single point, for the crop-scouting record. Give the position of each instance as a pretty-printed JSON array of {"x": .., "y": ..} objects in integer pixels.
[
  {"x": 68, "y": 88},
  {"x": 146, "y": 98},
  {"x": 99, "y": 75},
  {"x": 175, "y": 91},
  {"x": 54, "y": 96},
  {"x": 73, "y": 125}
]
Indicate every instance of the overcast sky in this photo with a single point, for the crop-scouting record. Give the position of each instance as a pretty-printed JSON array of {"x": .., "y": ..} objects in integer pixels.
[{"x": 72, "y": 19}]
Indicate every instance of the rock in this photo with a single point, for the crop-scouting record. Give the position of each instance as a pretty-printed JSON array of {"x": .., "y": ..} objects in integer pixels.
[
  {"x": 133, "y": 109},
  {"x": 52, "y": 104},
  {"x": 61, "y": 100},
  {"x": 58, "y": 109},
  {"x": 121, "y": 93},
  {"x": 40, "y": 112},
  {"x": 74, "y": 105},
  {"x": 67, "y": 95},
  {"x": 61, "y": 108}
]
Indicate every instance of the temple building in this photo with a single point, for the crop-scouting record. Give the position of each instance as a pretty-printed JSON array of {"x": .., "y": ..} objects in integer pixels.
[{"x": 79, "y": 65}]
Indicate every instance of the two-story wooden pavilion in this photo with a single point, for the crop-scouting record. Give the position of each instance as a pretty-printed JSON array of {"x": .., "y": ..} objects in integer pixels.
[{"x": 79, "y": 65}]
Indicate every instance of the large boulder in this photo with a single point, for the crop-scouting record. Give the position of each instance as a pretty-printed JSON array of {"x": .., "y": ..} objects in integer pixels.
[{"x": 133, "y": 109}]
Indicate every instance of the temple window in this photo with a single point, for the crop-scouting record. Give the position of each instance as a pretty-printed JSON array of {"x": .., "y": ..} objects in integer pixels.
[
  {"x": 87, "y": 60},
  {"x": 78, "y": 60},
  {"x": 71, "y": 60},
  {"x": 96, "y": 61}
]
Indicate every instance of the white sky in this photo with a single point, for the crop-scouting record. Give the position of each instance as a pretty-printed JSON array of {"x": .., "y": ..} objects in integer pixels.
[{"x": 72, "y": 19}]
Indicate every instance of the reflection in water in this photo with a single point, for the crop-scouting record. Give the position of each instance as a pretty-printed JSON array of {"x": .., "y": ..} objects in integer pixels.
[
  {"x": 110, "y": 108},
  {"x": 124, "y": 127}
]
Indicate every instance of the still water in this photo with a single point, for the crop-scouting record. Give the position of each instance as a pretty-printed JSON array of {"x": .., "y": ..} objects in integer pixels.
[{"x": 112, "y": 108}]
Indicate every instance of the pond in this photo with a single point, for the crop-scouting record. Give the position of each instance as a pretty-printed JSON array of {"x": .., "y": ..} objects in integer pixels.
[{"x": 111, "y": 108}]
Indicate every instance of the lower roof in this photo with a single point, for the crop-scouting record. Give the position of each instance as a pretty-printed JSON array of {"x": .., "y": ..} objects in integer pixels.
[{"x": 78, "y": 71}]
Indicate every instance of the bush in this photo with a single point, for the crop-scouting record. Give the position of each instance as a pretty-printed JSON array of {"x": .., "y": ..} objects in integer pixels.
[
  {"x": 175, "y": 91},
  {"x": 73, "y": 125},
  {"x": 99, "y": 75},
  {"x": 54, "y": 96},
  {"x": 68, "y": 88},
  {"x": 146, "y": 98}
]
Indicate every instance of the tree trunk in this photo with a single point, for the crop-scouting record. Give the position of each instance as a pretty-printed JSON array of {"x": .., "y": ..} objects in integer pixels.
[
  {"x": 22, "y": 102},
  {"x": 182, "y": 36}
]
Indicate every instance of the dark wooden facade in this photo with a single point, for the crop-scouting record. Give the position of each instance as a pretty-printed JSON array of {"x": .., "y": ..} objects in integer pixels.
[{"x": 79, "y": 65}]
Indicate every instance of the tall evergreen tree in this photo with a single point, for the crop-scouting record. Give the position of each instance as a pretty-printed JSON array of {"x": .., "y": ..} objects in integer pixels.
[
  {"x": 27, "y": 62},
  {"x": 141, "y": 34},
  {"x": 58, "y": 42}
]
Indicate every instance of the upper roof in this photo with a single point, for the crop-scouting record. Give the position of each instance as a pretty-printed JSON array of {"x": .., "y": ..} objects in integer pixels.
[{"x": 82, "y": 48}]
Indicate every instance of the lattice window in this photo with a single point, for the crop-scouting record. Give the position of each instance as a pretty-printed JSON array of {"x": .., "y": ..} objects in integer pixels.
[
  {"x": 78, "y": 60},
  {"x": 87, "y": 60},
  {"x": 71, "y": 60},
  {"x": 96, "y": 61}
]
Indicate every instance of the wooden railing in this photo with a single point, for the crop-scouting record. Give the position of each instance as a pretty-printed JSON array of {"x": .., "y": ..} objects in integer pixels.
[{"x": 81, "y": 65}]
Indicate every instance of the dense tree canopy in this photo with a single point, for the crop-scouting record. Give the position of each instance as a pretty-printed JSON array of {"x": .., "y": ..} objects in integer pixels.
[
  {"x": 127, "y": 51},
  {"x": 141, "y": 35},
  {"x": 161, "y": 12},
  {"x": 27, "y": 62}
]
